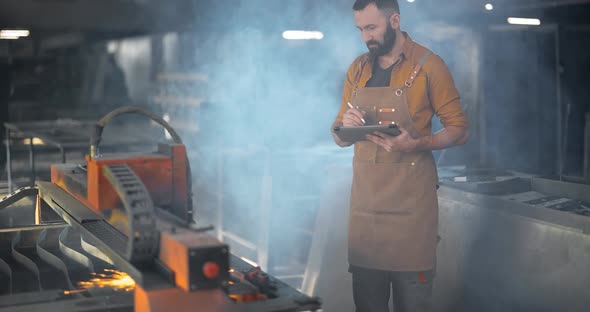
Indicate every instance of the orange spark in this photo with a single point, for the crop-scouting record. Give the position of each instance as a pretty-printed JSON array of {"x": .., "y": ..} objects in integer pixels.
[{"x": 117, "y": 280}]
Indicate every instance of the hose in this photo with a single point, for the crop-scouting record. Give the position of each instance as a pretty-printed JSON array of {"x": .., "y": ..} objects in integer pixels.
[{"x": 98, "y": 128}]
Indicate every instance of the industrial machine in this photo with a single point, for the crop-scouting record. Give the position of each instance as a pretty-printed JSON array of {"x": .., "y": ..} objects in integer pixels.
[{"x": 117, "y": 233}]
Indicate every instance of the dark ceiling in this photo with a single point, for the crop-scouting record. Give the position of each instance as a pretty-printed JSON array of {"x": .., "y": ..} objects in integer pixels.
[
  {"x": 106, "y": 16},
  {"x": 128, "y": 17}
]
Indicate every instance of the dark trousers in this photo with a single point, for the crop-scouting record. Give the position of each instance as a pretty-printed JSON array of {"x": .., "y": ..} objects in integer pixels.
[{"x": 412, "y": 291}]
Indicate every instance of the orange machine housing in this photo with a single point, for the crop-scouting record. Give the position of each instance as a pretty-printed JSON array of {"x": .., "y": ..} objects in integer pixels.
[
  {"x": 178, "y": 300},
  {"x": 164, "y": 174},
  {"x": 182, "y": 252}
]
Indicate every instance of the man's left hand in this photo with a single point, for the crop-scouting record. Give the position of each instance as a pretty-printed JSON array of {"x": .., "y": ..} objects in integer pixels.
[{"x": 401, "y": 143}]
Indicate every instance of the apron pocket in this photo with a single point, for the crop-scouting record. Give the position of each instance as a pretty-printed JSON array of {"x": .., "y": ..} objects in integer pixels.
[{"x": 386, "y": 188}]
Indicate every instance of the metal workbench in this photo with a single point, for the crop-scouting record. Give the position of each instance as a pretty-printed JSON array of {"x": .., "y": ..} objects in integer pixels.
[{"x": 509, "y": 242}]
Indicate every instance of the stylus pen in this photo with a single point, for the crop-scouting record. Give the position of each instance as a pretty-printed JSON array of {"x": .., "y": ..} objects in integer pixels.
[{"x": 362, "y": 119}]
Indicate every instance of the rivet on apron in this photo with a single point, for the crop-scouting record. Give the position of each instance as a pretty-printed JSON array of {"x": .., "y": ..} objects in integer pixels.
[
  {"x": 380, "y": 123},
  {"x": 380, "y": 110},
  {"x": 393, "y": 122},
  {"x": 413, "y": 164}
]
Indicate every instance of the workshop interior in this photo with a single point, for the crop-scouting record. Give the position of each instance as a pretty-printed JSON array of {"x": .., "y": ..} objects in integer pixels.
[{"x": 177, "y": 155}]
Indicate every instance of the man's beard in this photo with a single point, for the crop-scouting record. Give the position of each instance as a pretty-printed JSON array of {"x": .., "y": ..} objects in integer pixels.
[{"x": 388, "y": 42}]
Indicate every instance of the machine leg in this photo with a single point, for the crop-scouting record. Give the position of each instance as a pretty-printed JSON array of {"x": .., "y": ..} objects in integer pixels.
[
  {"x": 8, "y": 161},
  {"x": 32, "y": 160}
]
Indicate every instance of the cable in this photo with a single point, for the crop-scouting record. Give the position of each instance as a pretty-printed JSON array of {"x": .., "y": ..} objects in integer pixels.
[{"x": 98, "y": 128}]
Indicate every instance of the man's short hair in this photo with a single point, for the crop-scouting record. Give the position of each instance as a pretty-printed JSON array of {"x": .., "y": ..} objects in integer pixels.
[{"x": 382, "y": 5}]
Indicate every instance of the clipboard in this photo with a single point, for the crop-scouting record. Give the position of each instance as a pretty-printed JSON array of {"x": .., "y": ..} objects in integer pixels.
[{"x": 355, "y": 134}]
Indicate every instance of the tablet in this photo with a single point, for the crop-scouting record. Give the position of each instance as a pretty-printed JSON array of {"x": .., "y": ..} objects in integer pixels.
[{"x": 354, "y": 134}]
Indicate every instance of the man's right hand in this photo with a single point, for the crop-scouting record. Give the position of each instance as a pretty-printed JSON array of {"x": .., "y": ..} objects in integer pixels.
[{"x": 353, "y": 118}]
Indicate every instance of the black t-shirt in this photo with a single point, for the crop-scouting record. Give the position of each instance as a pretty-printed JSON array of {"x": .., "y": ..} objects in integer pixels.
[{"x": 381, "y": 77}]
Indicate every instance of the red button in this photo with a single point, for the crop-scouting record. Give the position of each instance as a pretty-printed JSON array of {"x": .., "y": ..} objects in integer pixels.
[{"x": 211, "y": 270}]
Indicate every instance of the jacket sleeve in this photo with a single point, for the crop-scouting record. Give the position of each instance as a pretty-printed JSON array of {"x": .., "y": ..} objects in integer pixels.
[{"x": 444, "y": 96}]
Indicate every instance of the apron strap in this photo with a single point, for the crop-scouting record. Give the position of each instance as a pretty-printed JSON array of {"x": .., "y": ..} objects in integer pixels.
[
  {"x": 410, "y": 81},
  {"x": 417, "y": 69},
  {"x": 407, "y": 84}
]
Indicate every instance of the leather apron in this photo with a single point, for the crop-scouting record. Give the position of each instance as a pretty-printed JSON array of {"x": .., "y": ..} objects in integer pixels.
[{"x": 393, "y": 204}]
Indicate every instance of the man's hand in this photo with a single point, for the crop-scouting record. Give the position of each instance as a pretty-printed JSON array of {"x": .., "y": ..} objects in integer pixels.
[
  {"x": 401, "y": 143},
  {"x": 353, "y": 118}
]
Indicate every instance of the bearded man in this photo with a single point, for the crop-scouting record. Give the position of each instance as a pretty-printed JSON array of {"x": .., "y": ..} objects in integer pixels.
[{"x": 393, "y": 223}]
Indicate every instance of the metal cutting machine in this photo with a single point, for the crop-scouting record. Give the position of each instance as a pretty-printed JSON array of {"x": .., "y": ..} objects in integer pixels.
[{"x": 131, "y": 216}]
